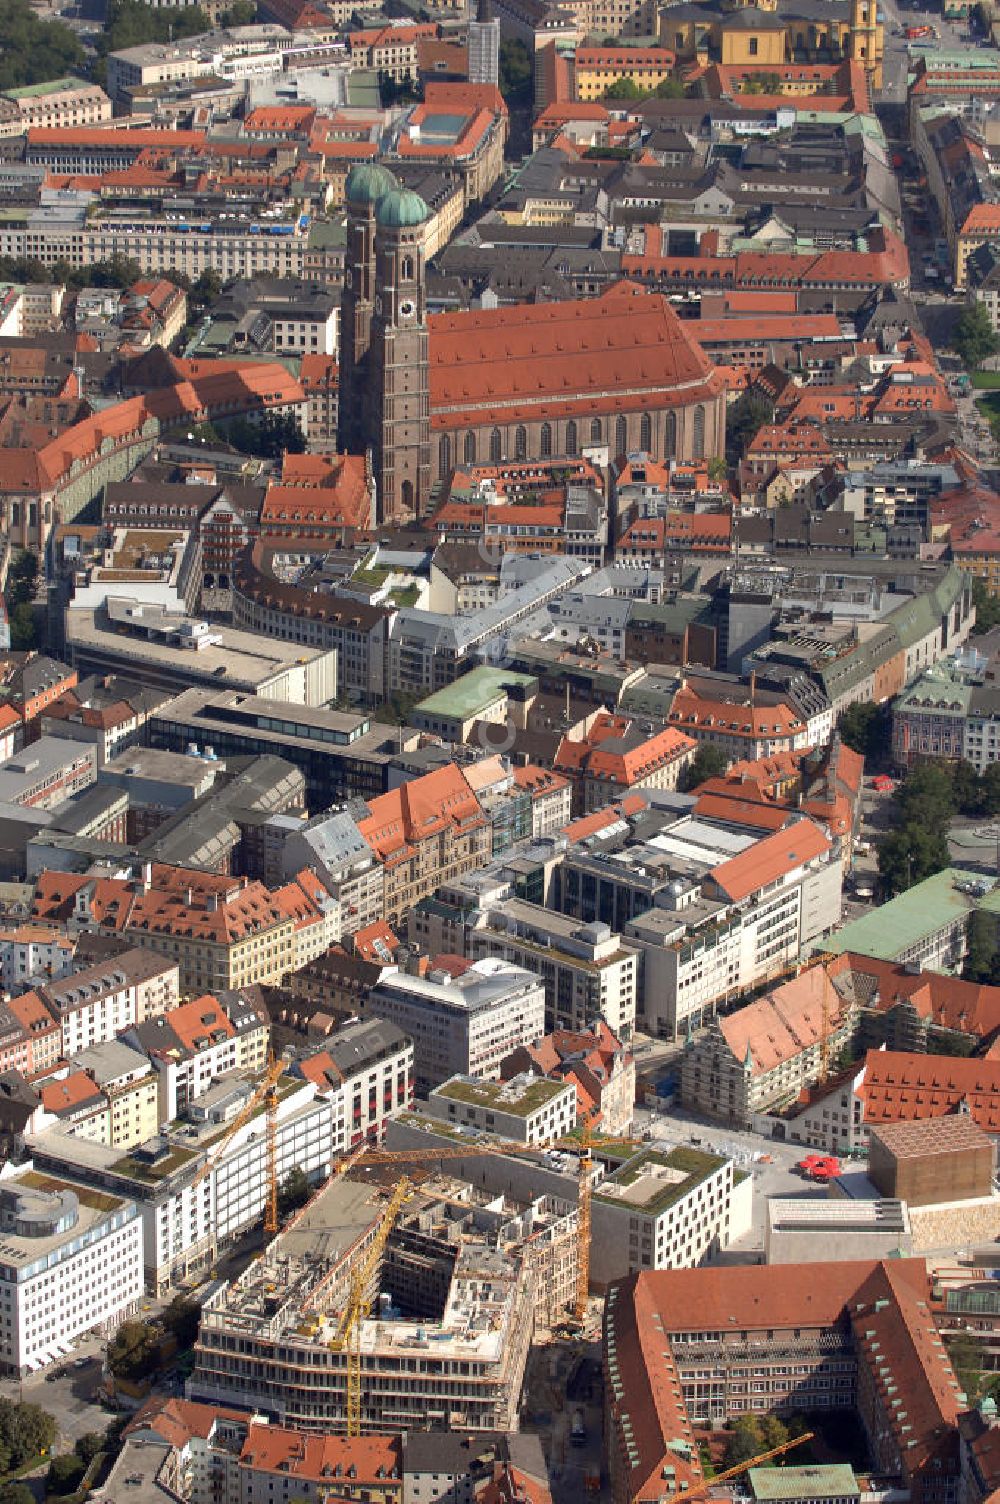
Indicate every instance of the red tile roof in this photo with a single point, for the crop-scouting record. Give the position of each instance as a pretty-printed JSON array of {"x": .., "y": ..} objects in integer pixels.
[
  {"x": 322, "y": 1459},
  {"x": 946, "y": 1001},
  {"x": 900, "y": 1087},
  {"x": 73, "y": 1092},
  {"x": 770, "y": 859},
  {"x": 628, "y": 347},
  {"x": 601, "y": 819},
  {"x": 598, "y": 755},
  {"x": 788, "y": 1020},
  {"x": 418, "y": 811}
]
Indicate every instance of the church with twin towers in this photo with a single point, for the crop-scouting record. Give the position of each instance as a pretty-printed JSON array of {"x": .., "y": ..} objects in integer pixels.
[{"x": 594, "y": 377}]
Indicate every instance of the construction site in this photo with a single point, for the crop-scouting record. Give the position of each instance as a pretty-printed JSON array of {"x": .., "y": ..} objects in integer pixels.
[{"x": 387, "y": 1306}]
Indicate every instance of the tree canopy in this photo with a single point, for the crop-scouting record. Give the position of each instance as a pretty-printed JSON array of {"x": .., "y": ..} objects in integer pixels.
[
  {"x": 117, "y": 272},
  {"x": 65, "y": 1472},
  {"x": 751, "y": 1435},
  {"x": 708, "y": 762},
  {"x": 974, "y": 337},
  {"x": 133, "y": 1352},
  {"x": 239, "y": 13},
  {"x": 517, "y": 72},
  {"x": 130, "y": 23},
  {"x": 19, "y": 595},
  {"x": 626, "y": 88},
  {"x": 925, "y": 803},
  {"x": 293, "y": 1192},
  {"x": 987, "y": 605},
  {"x": 272, "y": 437},
  {"x": 746, "y": 417},
  {"x": 26, "y": 1431},
  {"x": 867, "y": 729},
  {"x": 34, "y": 51}
]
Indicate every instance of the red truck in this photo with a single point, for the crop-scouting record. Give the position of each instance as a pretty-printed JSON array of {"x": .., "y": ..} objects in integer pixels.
[{"x": 914, "y": 32}]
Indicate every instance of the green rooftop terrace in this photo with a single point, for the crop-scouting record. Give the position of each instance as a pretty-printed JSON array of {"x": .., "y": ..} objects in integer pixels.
[
  {"x": 499, "y": 1096},
  {"x": 670, "y": 1177},
  {"x": 150, "y": 1173},
  {"x": 54, "y": 86},
  {"x": 97, "y": 1201},
  {"x": 473, "y": 692},
  {"x": 833, "y": 1480}
]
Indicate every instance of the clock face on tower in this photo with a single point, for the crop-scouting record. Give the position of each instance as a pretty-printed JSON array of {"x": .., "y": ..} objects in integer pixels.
[{"x": 407, "y": 307}]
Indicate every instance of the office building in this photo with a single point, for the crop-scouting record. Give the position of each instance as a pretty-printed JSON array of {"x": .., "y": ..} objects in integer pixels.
[
  {"x": 525, "y": 1109},
  {"x": 666, "y": 1209},
  {"x": 463, "y": 1021},
  {"x": 72, "y": 1263},
  {"x": 365, "y": 1070}
]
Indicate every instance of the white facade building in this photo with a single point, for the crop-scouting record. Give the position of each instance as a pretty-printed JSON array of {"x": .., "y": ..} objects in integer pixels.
[
  {"x": 187, "y": 1216},
  {"x": 33, "y": 953},
  {"x": 587, "y": 972},
  {"x": 72, "y": 1263},
  {"x": 365, "y": 1071},
  {"x": 462, "y": 1025},
  {"x": 102, "y": 1001},
  {"x": 194, "y": 1044},
  {"x": 526, "y": 1109},
  {"x": 666, "y": 1210}
]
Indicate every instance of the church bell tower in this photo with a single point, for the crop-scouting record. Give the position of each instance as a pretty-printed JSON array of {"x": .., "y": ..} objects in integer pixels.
[
  {"x": 365, "y": 186},
  {"x": 398, "y": 356}
]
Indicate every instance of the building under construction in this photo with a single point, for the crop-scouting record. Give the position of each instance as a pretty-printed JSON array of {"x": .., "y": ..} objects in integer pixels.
[{"x": 458, "y": 1286}]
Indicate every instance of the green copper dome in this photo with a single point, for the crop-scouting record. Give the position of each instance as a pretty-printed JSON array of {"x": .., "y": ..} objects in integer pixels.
[
  {"x": 401, "y": 209},
  {"x": 367, "y": 183}
]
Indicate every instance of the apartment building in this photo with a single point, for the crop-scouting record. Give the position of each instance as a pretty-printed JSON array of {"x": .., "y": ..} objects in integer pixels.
[
  {"x": 464, "y": 1020},
  {"x": 193, "y": 1044},
  {"x": 62, "y": 102},
  {"x": 101, "y": 1001},
  {"x": 220, "y": 932},
  {"x": 212, "y": 1449},
  {"x": 128, "y": 1082},
  {"x": 526, "y": 1109},
  {"x": 761, "y": 1057},
  {"x": 365, "y": 1071},
  {"x": 423, "y": 834},
  {"x": 202, "y": 1450},
  {"x": 30, "y": 1037},
  {"x": 670, "y": 1209},
  {"x": 74, "y": 1101},
  {"x": 72, "y": 1264},
  {"x": 187, "y": 1218},
  {"x": 32, "y": 952}
]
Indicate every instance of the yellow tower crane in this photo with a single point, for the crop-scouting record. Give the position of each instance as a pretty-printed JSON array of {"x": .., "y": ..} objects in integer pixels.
[
  {"x": 265, "y": 1091},
  {"x": 699, "y": 1490},
  {"x": 359, "y": 1303},
  {"x": 585, "y": 1145}
]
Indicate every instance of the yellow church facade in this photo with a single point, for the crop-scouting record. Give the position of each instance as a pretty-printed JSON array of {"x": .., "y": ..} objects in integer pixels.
[{"x": 766, "y": 35}]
